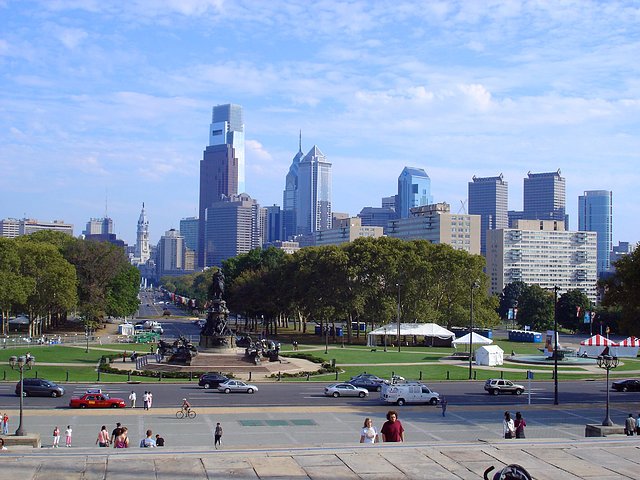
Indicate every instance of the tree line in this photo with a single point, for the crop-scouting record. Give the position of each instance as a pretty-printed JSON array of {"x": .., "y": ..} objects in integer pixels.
[{"x": 48, "y": 275}]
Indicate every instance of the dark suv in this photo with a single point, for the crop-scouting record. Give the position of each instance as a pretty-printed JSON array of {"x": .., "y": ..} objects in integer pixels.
[
  {"x": 212, "y": 380},
  {"x": 40, "y": 387}
]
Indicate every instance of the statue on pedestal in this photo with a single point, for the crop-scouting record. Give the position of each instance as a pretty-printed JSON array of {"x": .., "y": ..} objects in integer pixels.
[{"x": 215, "y": 333}]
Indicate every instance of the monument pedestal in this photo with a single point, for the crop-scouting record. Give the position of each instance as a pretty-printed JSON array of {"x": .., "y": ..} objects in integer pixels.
[
  {"x": 592, "y": 430},
  {"x": 217, "y": 343}
]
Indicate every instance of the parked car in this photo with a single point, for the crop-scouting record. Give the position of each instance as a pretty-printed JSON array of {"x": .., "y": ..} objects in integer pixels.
[
  {"x": 40, "y": 387},
  {"x": 96, "y": 400},
  {"x": 498, "y": 385},
  {"x": 409, "y": 392},
  {"x": 212, "y": 380},
  {"x": 629, "y": 385},
  {"x": 166, "y": 312},
  {"x": 236, "y": 386},
  {"x": 345, "y": 390}
]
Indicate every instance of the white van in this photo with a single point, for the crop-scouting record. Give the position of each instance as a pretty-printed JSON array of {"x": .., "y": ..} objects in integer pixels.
[{"x": 408, "y": 392}]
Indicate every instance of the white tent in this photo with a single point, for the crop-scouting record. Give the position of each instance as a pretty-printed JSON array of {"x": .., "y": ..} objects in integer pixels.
[
  {"x": 432, "y": 330},
  {"x": 490, "y": 355},
  {"x": 476, "y": 339},
  {"x": 593, "y": 346},
  {"x": 126, "y": 329},
  {"x": 626, "y": 348}
]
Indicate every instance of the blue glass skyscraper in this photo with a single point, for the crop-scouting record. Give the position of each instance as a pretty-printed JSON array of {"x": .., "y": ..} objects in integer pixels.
[
  {"x": 414, "y": 190},
  {"x": 313, "y": 201},
  {"x": 595, "y": 214}
]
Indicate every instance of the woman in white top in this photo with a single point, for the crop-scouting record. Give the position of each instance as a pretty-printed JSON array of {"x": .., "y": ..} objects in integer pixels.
[
  {"x": 508, "y": 427},
  {"x": 368, "y": 433}
]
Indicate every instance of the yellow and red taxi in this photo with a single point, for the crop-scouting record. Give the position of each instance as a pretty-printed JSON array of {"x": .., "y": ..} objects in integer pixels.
[{"x": 96, "y": 400}]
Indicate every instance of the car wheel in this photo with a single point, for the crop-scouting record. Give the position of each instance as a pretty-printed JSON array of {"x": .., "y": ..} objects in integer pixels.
[
  {"x": 494, "y": 391},
  {"x": 115, "y": 405},
  {"x": 518, "y": 391},
  {"x": 378, "y": 388},
  {"x": 336, "y": 394},
  {"x": 54, "y": 394},
  {"x": 249, "y": 390},
  {"x": 227, "y": 390},
  {"x": 83, "y": 405},
  {"x": 361, "y": 394},
  {"x": 207, "y": 385},
  {"x": 433, "y": 401},
  {"x": 400, "y": 401},
  {"x": 624, "y": 389}
]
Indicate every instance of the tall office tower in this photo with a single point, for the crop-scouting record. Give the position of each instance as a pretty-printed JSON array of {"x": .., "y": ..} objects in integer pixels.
[
  {"x": 414, "y": 190},
  {"x": 289, "y": 196},
  {"x": 389, "y": 202},
  {"x": 272, "y": 231},
  {"x": 99, "y": 226},
  {"x": 142, "y": 253},
  {"x": 232, "y": 228},
  {"x": 595, "y": 214},
  {"x": 189, "y": 230},
  {"x": 313, "y": 201},
  {"x": 170, "y": 254},
  {"x": 544, "y": 197},
  {"x": 488, "y": 197},
  {"x": 12, "y": 227},
  {"x": 222, "y": 165}
]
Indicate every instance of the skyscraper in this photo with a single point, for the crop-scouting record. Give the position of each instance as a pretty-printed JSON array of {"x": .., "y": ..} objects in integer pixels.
[
  {"x": 414, "y": 190},
  {"x": 99, "y": 226},
  {"x": 289, "y": 196},
  {"x": 595, "y": 214},
  {"x": 544, "y": 197},
  {"x": 170, "y": 254},
  {"x": 313, "y": 200},
  {"x": 222, "y": 165},
  {"x": 142, "y": 252},
  {"x": 189, "y": 230},
  {"x": 488, "y": 197}
]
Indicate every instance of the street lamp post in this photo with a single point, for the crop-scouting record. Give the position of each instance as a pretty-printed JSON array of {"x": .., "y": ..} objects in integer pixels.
[
  {"x": 326, "y": 339},
  {"x": 474, "y": 285},
  {"x": 87, "y": 332},
  {"x": 555, "y": 345},
  {"x": 398, "y": 285},
  {"x": 20, "y": 363},
  {"x": 385, "y": 339},
  {"x": 608, "y": 363}
]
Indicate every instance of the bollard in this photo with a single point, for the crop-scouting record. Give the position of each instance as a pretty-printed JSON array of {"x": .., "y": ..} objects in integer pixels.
[
  {"x": 5, "y": 375},
  {"x": 36, "y": 373},
  {"x": 279, "y": 376},
  {"x": 475, "y": 375},
  {"x": 190, "y": 376},
  {"x": 393, "y": 374},
  {"x": 160, "y": 377},
  {"x": 420, "y": 374},
  {"x": 336, "y": 375},
  {"x": 249, "y": 376},
  {"x": 447, "y": 374},
  {"x": 98, "y": 375},
  {"x": 67, "y": 375},
  {"x": 128, "y": 376},
  {"x": 501, "y": 374},
  {"x": 308, "y": 375}
]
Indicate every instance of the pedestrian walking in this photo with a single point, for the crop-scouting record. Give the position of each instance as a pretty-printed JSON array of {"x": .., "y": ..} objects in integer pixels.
[
  {"x": 630, "y": 425},
  {"x": 638, "y": 425},
  {"x": 150, "y": 395},
  {"x": 217, "y": 436},
  {"x": 392, "y": 430},
  {"x": 56, "y": 437},
  {"x": 145, "y": 400},
  {"x": 116, "y": 431},
  {"x": 443, "y": 404},
  {"x": 508, "y": 427},
  {"x": 103, "y": 437},
  {"x": 132, "y": 399},
  {"x": 368, "y": 433},
  {"x": 67, "y": 434},
  {"x": 519, "y": 425},
  {"x": 122, "y": 440},
  {"x": 5, "y": 424}
]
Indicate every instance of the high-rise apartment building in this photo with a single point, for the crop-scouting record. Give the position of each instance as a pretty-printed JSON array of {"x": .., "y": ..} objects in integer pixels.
[
  {"x": 290, "y": 195},
  {"x": 189, "y": 230},
  {"x": 142, "y": 252},
  {"x": 170, "y": 254},
  {"x": 595, "y": 214},
  {"x": 231, "y": 228},
  {"x": 99, "y": 226},
  {"x": 488, "y": 197},
  {"x": 545, "y": 197},
  {"x": 222, "y": 165},
  {"x": 313, "y": 200},
  {"x": 12, "y": 227},
  {"x": 344, "y": 231},
  {"x": 436, "y": 224},
  {"x": 414, "y": 190},
  {"x": 542, "y": 252}
]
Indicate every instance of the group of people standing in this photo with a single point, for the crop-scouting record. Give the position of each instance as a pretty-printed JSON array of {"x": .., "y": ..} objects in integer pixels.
[
  {"x": 391, "y": 431},
  {"x": 513, "y": 428},
  {"x": 632, "y": 425},
  {"x": 147, "y": 399},
  {"x": 68, "y": 433},
  {"x": 119, "y": 438}
]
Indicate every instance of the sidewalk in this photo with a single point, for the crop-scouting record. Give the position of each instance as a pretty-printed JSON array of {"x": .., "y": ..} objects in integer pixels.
[{"x": 553, "y": 460}]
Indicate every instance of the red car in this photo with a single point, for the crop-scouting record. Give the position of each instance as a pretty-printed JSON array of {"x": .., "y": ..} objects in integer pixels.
[{"x": 96, "y": 400}]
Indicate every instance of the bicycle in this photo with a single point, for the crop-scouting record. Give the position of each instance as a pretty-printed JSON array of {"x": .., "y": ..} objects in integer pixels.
[{"x": 186, "y": 412}]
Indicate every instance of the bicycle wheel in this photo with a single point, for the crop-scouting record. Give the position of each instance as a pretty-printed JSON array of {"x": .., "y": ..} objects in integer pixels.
[
  {"x": 191, "y": 414},
  {"x": 180, "y": 414}
]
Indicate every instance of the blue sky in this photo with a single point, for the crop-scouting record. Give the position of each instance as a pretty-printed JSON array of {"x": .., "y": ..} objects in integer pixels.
[{"x": 112, "y": 100}]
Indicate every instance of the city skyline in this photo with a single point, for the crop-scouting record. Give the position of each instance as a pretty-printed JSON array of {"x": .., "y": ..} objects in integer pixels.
[{"x": 104, "y": 101}]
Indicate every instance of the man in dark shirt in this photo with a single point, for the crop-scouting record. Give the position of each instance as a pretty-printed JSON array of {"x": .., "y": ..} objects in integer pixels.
[
  {"x": 392, "y": 430},
  {"x": 116, "y": 431},
  {"x": 159, "y": 441}
]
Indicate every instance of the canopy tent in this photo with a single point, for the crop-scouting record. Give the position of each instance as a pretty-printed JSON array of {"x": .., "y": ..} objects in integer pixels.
[
  {"x": 592, "y": 347},
  {"x": 476, "y": 339},
  {"x": 427, "y": 330},
  {"x": 626, "y": 348},
  {"x": 490, "y": 355}
]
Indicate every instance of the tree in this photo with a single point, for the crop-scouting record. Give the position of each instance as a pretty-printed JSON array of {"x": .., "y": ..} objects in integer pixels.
[
  {"x": 510, "y": 297},
  {"x": 122, "y": 292},
  {"x": 536, "y": 308},
  {"x": 567, "y": 310},
  {"x": 14, "y": 287},
  {"x": 621, "y": 290}
]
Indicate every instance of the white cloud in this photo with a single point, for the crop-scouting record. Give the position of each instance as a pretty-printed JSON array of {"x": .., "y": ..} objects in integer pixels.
[{"x": 71, "y": 37}]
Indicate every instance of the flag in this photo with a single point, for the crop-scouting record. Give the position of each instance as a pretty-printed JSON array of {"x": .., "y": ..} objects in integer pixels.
[
  {"x": 587, "y": 317},
  {"x": 578, "y": 310}
]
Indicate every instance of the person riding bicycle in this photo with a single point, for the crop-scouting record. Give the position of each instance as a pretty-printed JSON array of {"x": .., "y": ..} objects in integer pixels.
[{"x": 186, "y": 406}]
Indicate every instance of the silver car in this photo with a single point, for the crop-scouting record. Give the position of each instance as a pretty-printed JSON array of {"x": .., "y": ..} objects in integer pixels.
[
  {"x": 345, "y": 390},
  {"x": 236, "y": 386}
]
